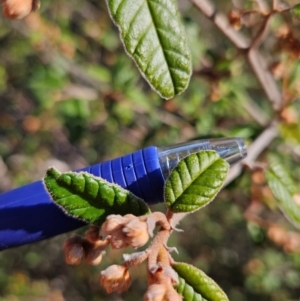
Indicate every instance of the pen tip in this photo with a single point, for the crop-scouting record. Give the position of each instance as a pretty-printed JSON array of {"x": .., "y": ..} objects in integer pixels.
[
  {"x": 232, "y": 150},
  {"x": 242, "y": 147}
]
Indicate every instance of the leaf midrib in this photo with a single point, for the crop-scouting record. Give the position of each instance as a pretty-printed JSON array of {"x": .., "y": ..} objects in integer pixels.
[
  {"x": 159, "y": 39},
  {"x": 198, "y": 175}
]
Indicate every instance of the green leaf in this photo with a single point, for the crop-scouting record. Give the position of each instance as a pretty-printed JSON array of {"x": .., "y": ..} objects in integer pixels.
[
  {"x": 195, "y": 181},
  {"x": 154, "y": 37},
  {"x": 195, "y": 285},
  {"x": 91, "y": 198},
  {"x": 284, "y": 190},
  {"x": 290, "y": 132},
  {"x": 296, "y": 10}
]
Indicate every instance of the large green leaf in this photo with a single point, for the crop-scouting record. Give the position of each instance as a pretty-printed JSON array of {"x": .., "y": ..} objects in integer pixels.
[
  {"x": 284, "y": 190},
  {"x": 154, "y": 37},
  {"x": 195, "y": 181},
  {"x": 195, "y": 285},
  {"x": 90, "y": 198}
]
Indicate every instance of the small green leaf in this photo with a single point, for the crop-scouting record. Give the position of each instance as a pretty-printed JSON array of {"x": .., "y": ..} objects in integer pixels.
[
  {"x": 296, "y": 10},
  {"x": 284, "y": 190},
  {"x": 195, "y": 285},
  {"x": 195, "y": 181},
  {"x": 90, "y": 198},
  {"x": 154, "y": 37}
]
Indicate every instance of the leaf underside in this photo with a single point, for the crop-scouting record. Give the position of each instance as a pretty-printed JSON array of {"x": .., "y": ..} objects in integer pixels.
[
  {"x": 195, "y": 181},
  {"x": 91, "y": 198},
  {"x": 283, "y": 188},
  {"x": 195, "y": 285},
  {"x": 154, "y": 37}
]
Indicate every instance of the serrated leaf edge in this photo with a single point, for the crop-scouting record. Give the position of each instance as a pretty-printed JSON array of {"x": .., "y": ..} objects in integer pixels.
[
  {"x": 52, "y": 196},
  {"x": 218, "y": 190}
]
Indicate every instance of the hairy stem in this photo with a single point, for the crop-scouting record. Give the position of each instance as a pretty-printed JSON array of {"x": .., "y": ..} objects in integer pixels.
[{"x": 158, "y": 242}]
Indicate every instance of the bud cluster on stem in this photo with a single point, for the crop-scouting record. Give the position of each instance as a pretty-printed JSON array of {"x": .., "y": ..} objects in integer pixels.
[{"x": 130, "y": 231}]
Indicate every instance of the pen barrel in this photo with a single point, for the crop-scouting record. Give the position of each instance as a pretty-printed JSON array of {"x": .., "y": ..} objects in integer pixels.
[
  {"x": 139, "y": 172},
  {"x": 28, "y": 214}
]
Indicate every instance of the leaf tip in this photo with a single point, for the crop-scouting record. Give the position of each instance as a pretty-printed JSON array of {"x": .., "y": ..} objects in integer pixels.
[{"x": 52, "y": 172}]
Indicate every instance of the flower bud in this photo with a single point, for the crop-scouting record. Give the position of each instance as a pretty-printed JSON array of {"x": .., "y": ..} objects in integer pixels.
[
  {"x": 17, "y": 9},
  {"x": 93, "y": 234},
  {"x": 118, "y": 240},
  {"x": 94, "y": 256},
  {"x": 155, "y": 292},
  {"x": 170, "y": 274},
  {"x": 172, "y": 295},
  {"x": 74, "y": 251},
  {"x": 161, "y": 292},
  {"x": 115, "y": 222},
  {"x": 94, "y": 251},
  {"x": 136, "y": 232},
  {"x": 115, "y": 278}
]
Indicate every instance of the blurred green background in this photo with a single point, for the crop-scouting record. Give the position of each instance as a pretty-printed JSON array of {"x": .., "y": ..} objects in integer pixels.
[{"x": 70, "y": 97}]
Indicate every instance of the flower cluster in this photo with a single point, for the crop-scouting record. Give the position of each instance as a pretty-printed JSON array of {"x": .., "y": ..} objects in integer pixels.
[
  {"x": 126, "y": 231},
  {"x": 129, "y": 231}
]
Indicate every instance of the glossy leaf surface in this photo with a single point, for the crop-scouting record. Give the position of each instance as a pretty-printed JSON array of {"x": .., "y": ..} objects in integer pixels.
[
  {"x": 284, "y": 190},
  {"x": 195, "y": 181},
  {"x": 154, "y": 37},
  {"x": 195, "y": 285},
  {"x": 90, "y": 198}
]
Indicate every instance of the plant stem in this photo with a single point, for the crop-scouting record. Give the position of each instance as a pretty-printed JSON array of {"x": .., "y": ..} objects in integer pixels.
[
  {"x": 254, "y": 150},
  {"x": 256, "y": 61},
  {"x": 158, "y": 242}
]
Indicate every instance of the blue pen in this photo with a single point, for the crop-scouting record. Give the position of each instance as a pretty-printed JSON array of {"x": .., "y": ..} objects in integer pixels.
[{"x": 27, "y": 213}]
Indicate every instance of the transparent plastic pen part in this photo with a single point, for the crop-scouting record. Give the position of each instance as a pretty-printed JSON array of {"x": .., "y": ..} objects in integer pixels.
[{"x": 231, "y": 149}]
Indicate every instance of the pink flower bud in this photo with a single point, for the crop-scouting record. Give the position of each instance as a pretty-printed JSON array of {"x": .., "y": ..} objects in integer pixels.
[
  {"x": 115, "y": 222},
  {"x": 74, "y": 251},
  {"x": 172, "y": 295},
  {"x": 155, "y": 292},
  {"x": 136, "y": 232},
  {"x": 94, "y": 251},
  {"x": 93, "y": 234},
  {"x": 115, "y": 278},
  {"x": 161, "y": 292},
  {"x": 118, "y": 240},
  {"x": 94, "y": 256},
  {"x": 17, "y": 9}
]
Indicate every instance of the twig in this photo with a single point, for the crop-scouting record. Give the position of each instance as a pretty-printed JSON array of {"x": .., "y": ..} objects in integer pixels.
[
  {"x": 261, "y": 33},
  {"x": 263, "y": 6},
  {"x": 255, "y": 59},
  {"x": 255, "y": 111},
  {"x": 220, "y": 20},
  {"x": 267, "y": 81},
  {"x": 254, "y": 150}
]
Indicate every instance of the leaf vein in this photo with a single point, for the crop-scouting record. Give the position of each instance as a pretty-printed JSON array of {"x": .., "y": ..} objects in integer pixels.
[
  {"x": 131, "y": 22},
  {"x": 142, "y": 37},
  {"x": 121, "y": 4}
]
